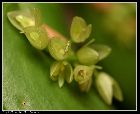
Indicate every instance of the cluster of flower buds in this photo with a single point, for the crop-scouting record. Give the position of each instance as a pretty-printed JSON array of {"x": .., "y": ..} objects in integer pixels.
[{"x": 83, "y": 67}]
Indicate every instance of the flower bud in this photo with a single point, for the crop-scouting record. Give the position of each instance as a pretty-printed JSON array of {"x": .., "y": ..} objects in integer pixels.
[
  {"x": 87, "y": 56},
  {"x": 108, "y": 87},
  {"x": 21, "y": 19},
  {"x": 104, "y": 87},
  {"x": 29, "y": 23},
  {"x": 58, "y": 48},
  {"x": 37, "y": 37},
  {"x": 79, "y": 30}
]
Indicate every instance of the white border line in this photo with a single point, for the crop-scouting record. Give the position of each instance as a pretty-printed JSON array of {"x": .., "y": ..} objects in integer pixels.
[
  {"x": 136, "y": 56},
  {"x": 68, "y": 110},
  {"x": 2, "y": 56},
  {"x": 69, "y": 2}
]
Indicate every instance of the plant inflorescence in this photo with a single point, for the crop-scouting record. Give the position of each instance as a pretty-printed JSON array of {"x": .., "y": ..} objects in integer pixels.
[{"x": 75, "y": 58}]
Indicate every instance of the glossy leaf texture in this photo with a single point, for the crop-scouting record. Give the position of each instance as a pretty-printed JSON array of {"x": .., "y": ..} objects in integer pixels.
[{"x": 26, "y": 71}]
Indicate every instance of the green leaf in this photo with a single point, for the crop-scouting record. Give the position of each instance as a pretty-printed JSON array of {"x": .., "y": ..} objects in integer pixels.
[{"x": 26, "y": 71}]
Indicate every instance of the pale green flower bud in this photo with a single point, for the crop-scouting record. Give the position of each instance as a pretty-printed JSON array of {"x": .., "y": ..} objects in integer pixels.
[
  {"x": 87, "y": 56},
  {"x": 58, "y": 48},
  {"x": 21, "y": 19},
  {"x": 29, "y": 23},
  {"x": 37, "y": 37},
  {"x": 79, "y": 30},
  {"x": 108, "y": 87},
  {"x": 104, "y": 87}
]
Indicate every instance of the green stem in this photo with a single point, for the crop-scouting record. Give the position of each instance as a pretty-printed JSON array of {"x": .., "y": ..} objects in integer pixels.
[
  {"x": 89, "y": 42},
  {"x": 72, "y": 57},
  {"x": 98, "y": 67},
  {"x": 95, "y": 73}
]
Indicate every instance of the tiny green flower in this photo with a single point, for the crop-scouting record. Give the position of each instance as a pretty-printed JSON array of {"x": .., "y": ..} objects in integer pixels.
[
  {"x": 59, "y": 48},
  {"x": 83, "y": 73},
  {"x": 62, "y": 71},
  {"x": 108, "y": 87},
  {"x": 104, "y": 87},
  {"x": 29, "y": 23},
  {"x": 21, "y": 19},
  {"x": 37, "y": 37},
  {"x": 87, "y": 56},
  {"x": 79, "y": 30}
]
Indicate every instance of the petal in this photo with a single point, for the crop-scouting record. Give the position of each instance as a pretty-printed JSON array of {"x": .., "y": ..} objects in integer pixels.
[
  {"x": 68, "y": 73},
  {"x": 55, "y": 70},
  {"x": 61, "y": 80},
  {"x": 12, "y": 18},
  {"x": 117, "y": 92},
  {"x": 103, "y": 50},
  {"x": 87, "y": 56},
  {"x": 104, "y": 87},
  {"x": 85, "y": 87}
]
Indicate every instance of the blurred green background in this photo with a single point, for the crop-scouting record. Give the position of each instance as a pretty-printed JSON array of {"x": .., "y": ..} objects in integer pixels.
[{"x": 26, "y": 82}]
